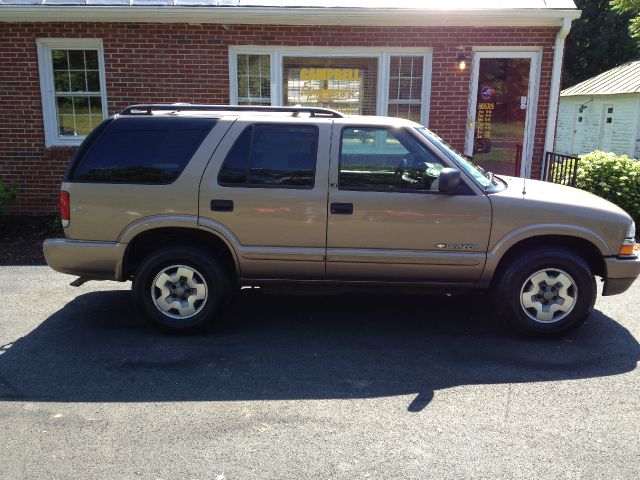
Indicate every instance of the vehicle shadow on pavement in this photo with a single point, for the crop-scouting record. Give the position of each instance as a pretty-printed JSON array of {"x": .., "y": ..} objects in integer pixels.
[{"x": 96, "y": 349}]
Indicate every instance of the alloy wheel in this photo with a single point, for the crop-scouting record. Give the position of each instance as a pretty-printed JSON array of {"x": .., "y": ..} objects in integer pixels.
[
  {"x": 548, "y": 295},
  {"x": 179, "y": 291}
]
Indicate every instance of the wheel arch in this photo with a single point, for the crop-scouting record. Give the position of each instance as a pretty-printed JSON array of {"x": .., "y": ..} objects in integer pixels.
[
  {"x": 582, "y": 247},
  {"x": 149, "y": 241}
]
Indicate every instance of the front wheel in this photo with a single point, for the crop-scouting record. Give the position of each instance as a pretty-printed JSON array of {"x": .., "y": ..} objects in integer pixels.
[
  {"x": 545, "y": 292},
  {"x": 180, "y": 289}
]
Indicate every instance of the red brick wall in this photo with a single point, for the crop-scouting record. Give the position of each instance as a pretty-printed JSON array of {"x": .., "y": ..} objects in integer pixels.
[{"x": 189, "y": 63}]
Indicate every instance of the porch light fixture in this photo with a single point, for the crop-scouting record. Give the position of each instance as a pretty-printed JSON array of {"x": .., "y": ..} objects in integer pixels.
[
  {"x": 462, "y": 62},
  {"x": 584, "y": 106}
]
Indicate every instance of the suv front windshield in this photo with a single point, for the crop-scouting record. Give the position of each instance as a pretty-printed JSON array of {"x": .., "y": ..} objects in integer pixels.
[{"x": 484, "y": 178}]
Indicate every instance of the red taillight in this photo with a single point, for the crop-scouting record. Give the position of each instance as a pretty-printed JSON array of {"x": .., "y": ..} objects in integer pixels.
[{"x": 65, "y": 208}]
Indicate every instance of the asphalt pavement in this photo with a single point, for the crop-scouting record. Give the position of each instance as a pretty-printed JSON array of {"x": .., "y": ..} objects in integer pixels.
[{"x": 344, "y": 386}]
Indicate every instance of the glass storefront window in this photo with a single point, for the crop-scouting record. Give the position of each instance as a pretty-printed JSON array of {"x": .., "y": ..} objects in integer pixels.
[
  {"x": 254, "y": 79},
  {"x": 405, "y": 87},
  {"x": 346, "y": 84},
  {"x": 351, "y": 81}
]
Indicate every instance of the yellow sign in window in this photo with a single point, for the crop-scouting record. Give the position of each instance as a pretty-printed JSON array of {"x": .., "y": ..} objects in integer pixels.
[
  {"x": 347, "y": 84},
  {"x": 341, "y": 74}
]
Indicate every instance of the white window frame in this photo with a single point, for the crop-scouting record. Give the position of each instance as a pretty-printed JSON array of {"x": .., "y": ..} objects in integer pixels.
[
  {"x": 383, "y": 56},
  {"x": 47, "y": 86},
  {"x": 233, "y": 70},
  {"x": 425, "y": 97}
]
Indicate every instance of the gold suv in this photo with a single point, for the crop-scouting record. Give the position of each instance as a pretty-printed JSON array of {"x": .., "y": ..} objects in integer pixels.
[{"x": 192, "y": 201}]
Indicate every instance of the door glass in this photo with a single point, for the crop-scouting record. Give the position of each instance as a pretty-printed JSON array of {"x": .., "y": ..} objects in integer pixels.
[
  {"x": 503, "y": 88},
  {"x": 382, "y": 159},
  {"x": 272, "y": 155}
]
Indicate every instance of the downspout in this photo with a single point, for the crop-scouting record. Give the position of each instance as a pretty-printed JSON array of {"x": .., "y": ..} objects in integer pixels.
[{"x": 554, "y": 94}]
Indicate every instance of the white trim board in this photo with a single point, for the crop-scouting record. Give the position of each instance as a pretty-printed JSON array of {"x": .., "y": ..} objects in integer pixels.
[{"x": 472, "y": 17}]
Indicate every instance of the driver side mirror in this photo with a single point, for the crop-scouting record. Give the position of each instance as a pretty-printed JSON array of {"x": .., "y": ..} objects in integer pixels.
[{"x": 449, "y": 180}]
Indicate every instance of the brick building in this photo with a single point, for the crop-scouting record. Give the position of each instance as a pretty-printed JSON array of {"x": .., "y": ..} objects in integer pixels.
[{"x": 485, "y": 79}]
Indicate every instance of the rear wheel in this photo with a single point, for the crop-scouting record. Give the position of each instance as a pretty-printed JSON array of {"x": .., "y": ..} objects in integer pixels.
[
  {"x": 545, "y": 292},
  {"x": 181, "y": 289}
]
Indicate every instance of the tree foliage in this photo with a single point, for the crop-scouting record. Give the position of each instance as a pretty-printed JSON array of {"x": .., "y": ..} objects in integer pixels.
[
  {"x": 599, "y": 41},
  {"x": 632, "y": 8}
]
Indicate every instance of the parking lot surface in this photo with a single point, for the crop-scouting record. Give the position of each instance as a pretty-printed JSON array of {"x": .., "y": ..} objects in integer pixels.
[{"x": 343, "y": 386}]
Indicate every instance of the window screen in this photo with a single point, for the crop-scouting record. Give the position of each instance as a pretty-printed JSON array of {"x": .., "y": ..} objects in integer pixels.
[
  {"x": 385, "y": 159},
  {"x": 346, "y": 84},
  {"x": 272, "y": 155},
  {"x": 143, "y": 150}
]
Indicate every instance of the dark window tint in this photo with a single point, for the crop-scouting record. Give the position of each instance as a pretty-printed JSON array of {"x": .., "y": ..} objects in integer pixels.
[
  {"x": 84, "y": 148},
  {"x": 236, "y": 165},
  {"x": 272, "y": 155},
  {"x": 143, "y": 150},
  {"x": 386, "y": 159}
]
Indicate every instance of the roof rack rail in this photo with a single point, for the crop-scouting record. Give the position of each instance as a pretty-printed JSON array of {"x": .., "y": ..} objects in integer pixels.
[{"x": 148, "y": 109}]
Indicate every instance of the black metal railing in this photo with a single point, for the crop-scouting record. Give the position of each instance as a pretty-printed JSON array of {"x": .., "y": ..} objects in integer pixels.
[{"x": 562, "y": 169}]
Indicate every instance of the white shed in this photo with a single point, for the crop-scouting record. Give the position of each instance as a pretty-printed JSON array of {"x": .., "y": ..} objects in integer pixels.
[{"x": 602, "y": 113}]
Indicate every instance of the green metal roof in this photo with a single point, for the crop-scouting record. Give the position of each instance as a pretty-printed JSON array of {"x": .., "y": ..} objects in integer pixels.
[{"x": 622, "y": 79}]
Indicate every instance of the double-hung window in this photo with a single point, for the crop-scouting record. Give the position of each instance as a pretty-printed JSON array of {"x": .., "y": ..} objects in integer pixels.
[
  {"x": 406, "y": 91},
  {"x": 254, "y": 79},
  {"x": 72, "y": 85}
]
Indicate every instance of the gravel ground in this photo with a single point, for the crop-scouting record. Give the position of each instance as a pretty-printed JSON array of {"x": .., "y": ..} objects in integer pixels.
[{"x": 341, "y": 387}]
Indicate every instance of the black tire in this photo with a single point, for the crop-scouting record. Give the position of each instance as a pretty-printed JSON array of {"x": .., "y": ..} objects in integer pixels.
[
  {"x": 208, "y": 271},
  {"x": 512, "y": 281}
]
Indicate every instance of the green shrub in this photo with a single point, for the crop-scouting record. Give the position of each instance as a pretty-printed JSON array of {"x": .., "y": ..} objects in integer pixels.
[
  {"x": 613, "y": 177},
  {"x": 8, "y": 195},
  {"x": 55, "y": 227}
]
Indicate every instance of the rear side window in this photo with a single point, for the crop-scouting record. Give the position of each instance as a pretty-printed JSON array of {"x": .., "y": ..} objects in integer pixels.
[
  {"x": 272, "y": 155},
  {"x": 143, "y": 150}
]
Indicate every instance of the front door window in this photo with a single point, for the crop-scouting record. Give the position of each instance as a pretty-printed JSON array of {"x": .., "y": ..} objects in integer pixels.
[
  {"x": 385, "y": 159},
  {"x": 501, "y": 111}
]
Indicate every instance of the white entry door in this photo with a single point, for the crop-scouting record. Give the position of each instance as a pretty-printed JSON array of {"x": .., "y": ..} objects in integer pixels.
[{"x": 606, "y": 128}]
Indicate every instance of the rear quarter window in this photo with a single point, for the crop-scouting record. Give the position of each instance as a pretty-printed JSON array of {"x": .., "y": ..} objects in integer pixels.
[{"x": 142, "y": 150}]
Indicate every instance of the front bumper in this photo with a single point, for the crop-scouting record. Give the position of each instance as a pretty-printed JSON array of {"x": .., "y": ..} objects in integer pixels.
[
  {"x": 94, "y": 260},
  {"x": 621, "y": 273}
]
